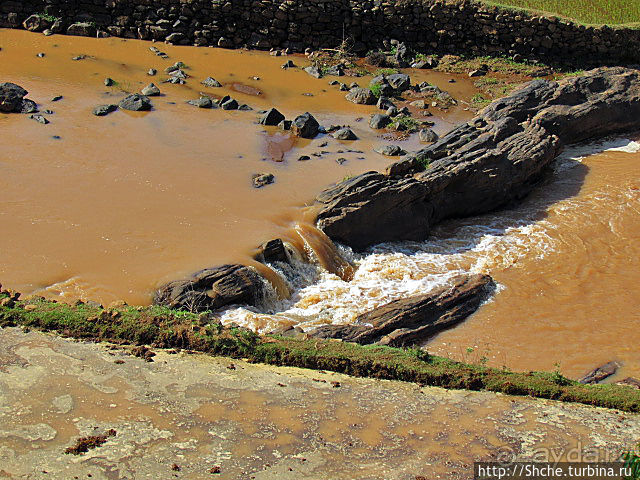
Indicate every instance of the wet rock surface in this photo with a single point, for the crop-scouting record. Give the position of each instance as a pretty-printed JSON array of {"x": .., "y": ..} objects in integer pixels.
[
  {"x": 600, "y": 373},
  {"x": 12, "y": 98},
  {"x": 135, "y": 102},
  {"x": 409, "y": 320},
  {"x": 483, "y": 164},
  {"x": 213, "y": 288},
  {"x": 211, "y": 414}
]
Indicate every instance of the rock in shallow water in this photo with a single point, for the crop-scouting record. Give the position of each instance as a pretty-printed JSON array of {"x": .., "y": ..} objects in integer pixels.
[
  {"x": 362, "y": 96},
  {"x": 151, "y": 90},
  {"x": 344, "y": 134},
  {"x": 261, "y": 179},
  {"x": 305, "y": 126},
  {"x": 102, "y": 110},
  {"x": 409, "y": 320},
  {"x": 135, "y": 102},
  {"x": 213, "y": 288}
]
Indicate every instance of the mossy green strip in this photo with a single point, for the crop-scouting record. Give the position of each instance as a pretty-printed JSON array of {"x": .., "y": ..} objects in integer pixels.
[{"x": 164, "y": 328}]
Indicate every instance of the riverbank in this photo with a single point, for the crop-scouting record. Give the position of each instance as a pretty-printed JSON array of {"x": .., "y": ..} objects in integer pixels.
[{"x": 164, "y": 328}]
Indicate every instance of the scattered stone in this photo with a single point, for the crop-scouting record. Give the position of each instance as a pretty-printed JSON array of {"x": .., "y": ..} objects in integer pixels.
[
  {"x": 40, "y": 55},
  {"x": 108, "y": 82},
  {"x": 211, "y": 82},
  {"x": 202, "y": 102},
  {"x": 390, "y": 150},
  {"x": 427, "y": 135},
  {"x": 39, "y": 119},
  {"x": 79, "y": 57},
  {"x": 313, "y": 71},
  {"x": 304, "y": 158},
  {"x": 152, "y": 72},
  {"x": 340, "y": 160},
  {"x": 56, "y": 98},
  {"x": 151, "y": 90},
  {"x": 288, "y": 64},
  {"x": 384, "y": 103},
  {"x": 305, "y": 126},
  {"x": 343, "y": 87},
  {"x": 361, "y": 96},
  {"x": 244, "y": 107},
  {"x": 102, "y": 110},
  {"x": 334, "y": 82},
  {"x": 344, "y": 134},
  {"x": 419, "y": 104},
  {"x": 392, "y": 111},
  {"x": 379, "y": 121},
  {"x": 353, "y": 85},
  {"x": 335, "y": 70},
  {"x": 477, "y": 73},
  {"x": 229, "y": 104},
  {"x": 399, "y": 81},
  {"x": 135, "y": 102},
  {"x": 271, "y": 117},
  {"x": 29, "y": 106},
  {"x": 262, "y": 179}
]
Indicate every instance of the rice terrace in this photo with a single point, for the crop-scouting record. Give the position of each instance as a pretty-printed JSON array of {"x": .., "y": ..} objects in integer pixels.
[{"x": 319, "y": 239}]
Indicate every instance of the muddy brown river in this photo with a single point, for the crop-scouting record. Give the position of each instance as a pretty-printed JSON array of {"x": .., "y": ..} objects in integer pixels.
[{"x": 121, "y": 204}]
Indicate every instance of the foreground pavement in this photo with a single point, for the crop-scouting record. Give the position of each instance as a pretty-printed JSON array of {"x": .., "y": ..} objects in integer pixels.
[{"x": 190, "y": 416}]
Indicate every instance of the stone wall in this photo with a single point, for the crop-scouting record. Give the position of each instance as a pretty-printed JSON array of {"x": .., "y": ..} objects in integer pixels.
[{"x": 429, "y": 26}]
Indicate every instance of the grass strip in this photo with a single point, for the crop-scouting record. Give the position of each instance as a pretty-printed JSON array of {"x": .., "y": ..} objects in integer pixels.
[{"x": 164, "y": 328}]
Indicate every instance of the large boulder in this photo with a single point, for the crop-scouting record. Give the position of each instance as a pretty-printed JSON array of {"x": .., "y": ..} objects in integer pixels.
[
  {"x": 305, "y": 126},
  {"x": 483, "y": 164},
  {"x": 11, "y": 97},
  {"x": 213, "y": 288},
  {"x": 413, "y": 319}
]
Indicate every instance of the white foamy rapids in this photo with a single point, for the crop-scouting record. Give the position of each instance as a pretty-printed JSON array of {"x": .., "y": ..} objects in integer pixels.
[{"x": 482, "y": 244}]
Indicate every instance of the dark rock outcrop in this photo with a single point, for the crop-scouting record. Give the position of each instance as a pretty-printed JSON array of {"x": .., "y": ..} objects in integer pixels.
[
  {"x": 11, "y": 98},
  {"x": 305, "y": 126},
  {"x": 600, "y": 373},
  {"x": 410, "y": 320},
  {"x": 492, "y": 160},
  {"x": 271, "y": 117},
  {"x": 213, "y": 288}
]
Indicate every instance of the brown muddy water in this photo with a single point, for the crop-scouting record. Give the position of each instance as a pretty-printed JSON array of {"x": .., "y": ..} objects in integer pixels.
[{"x": 120, "y": 204}]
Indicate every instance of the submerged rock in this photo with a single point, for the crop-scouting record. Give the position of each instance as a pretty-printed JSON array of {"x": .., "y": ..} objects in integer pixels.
[
  {"x": 102, "y": 110},
  {"x": 135, "y": 102},
  {"x": 483, "y": 164},
  {"x": 84, "y": 29},
  {"x": 410, "y": 320},
  {"x": 213, "y": 288}
]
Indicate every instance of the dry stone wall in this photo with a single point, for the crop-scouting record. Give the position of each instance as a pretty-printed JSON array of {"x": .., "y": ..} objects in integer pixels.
[{"x": 430, "y": 26}]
